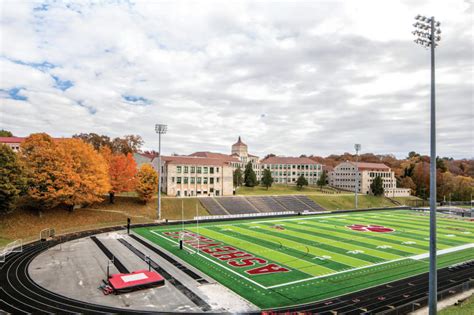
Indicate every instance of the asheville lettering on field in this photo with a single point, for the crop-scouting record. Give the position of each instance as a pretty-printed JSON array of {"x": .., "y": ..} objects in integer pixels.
[{"x": 231, "y": 255}]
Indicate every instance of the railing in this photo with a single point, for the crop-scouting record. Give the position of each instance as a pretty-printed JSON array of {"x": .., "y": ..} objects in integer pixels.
[
  {"x": 243, "y": 215},
  {"x": 13, "y": 247},
  {"x": 422, "y": 302}
]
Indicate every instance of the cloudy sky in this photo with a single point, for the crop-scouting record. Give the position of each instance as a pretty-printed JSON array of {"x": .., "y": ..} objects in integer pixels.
[{"x": 290, "y": 77}]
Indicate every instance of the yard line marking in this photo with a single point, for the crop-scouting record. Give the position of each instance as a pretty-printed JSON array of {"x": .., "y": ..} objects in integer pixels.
[
  {"x": 417, "y": 257},
  {"x": 214, "y": 262},
  {"x": 252, "y": 222}
]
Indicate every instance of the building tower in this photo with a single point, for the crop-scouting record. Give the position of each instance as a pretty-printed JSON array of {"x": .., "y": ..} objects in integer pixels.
[{"x": 239, "y": 148}]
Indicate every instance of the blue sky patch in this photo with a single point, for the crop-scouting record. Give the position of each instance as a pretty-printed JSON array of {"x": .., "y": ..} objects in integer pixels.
[
  {"x": 42, "y": 66},
  {"x": 63, "y": 85},
  {"x": 13, "y": 94},
  {"x": 90, "y": 109},
  {"x": 136, "y": 100}
]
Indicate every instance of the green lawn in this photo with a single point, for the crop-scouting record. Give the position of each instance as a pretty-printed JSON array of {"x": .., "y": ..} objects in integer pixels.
[
  {"x": 287, "y": 261},
  {"x": 465, "y": 308},
  {"x": 338, "y": 202},
  {"x": 282, "y": 190}
]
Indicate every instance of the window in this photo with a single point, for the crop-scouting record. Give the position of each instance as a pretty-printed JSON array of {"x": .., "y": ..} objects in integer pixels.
[
  {"x": 205, "y": 170},
  {"x": 185, "y": 180},
  {"x": 193, "y": 169},
  {"x": 211, "y": 170},
  {"x": 217, "y": 170},
  {"x": 204, "y": 180},
  {"x": 178, "y": 169},
  {"x": 186, "y": 169},
  {"x": 199, "y": 170},
  {"x": 172, "y": 179},
  {"x": 217, "y": 180},
  {"x": 178, "y": 180},
  {"x": 192, "y": 180},
  {"x": 211, "y": 180},
  {"x": 199, "y": 180}
]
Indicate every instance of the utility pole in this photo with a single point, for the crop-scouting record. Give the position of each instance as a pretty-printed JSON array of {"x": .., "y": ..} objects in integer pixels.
[
  {"x": 357, "y": 147},
  {"x": 427, "y": 32},
  {"x": 160, "y": 129}
]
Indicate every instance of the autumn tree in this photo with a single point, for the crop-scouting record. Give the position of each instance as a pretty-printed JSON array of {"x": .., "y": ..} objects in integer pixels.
[
  {"x": 125, "y": 145},
  {"x": 250, "y": 178},
  {"x": 267, "y": 179},
  {"x": 301, "y": 181},
  {"x": 88, "y": 178},
  {"x": 122, "y": 170},
  {"x": 377, "y": 186},
  {"x": 68, "y": 172},
  {"x": 147, "y": 183},
  {"x": 12, "y": 179},
  {"x": 45, "y": 166},
  {"x": 407, "y": 182}
]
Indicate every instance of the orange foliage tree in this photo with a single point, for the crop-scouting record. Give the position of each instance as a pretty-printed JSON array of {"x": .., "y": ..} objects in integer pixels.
[
  {"x": 87, "y": 173},
  {"x": 147, "y": 182},
  {"x": 122, "y": 171},
  {"x": 66, "y": 171}
]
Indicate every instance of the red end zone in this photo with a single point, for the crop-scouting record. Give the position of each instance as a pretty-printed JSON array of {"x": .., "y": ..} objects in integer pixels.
[{"x": 139, "y": 279}]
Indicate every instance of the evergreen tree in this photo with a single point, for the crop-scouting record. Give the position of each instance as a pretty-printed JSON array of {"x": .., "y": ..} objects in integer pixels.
[
  {"x": 377, "y": 186},
  {"x": 12, "y": 179},
  {"x": 267, "y": 179},
  {"x": 5, "y": 133},
  {"x": 238, "y": 178},
  {"x": 250, "y": 178},
  {"x": 322, "y": 179},
  {"x": 301, "y": 181}
]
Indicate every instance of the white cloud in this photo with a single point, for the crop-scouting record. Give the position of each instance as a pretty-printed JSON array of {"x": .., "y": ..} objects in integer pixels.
[{"x": 290, "y": 77}]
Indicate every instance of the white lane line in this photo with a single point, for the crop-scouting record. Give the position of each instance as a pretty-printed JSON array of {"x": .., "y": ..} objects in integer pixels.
[{"x": 417, "y": 257}]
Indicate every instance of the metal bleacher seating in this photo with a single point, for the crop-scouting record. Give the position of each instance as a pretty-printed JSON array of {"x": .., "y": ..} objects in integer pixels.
[
  {"x": 255, "y": 204},
  {"x": 292, "y": 203},
  {"x": 212, "y": 206},
  {"x": 266, "y": 204},
  {"x": 235, "y": 205}
]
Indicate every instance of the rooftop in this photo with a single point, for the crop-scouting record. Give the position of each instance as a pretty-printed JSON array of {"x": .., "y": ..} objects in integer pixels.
[
  {"x": 239, "y": 142},
  {"x": 287, "y": 160},
  {"x": 193, "y": 160}
]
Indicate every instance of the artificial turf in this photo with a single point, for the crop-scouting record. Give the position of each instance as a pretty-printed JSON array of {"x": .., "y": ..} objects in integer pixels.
[{"x": 322, "y": 257}]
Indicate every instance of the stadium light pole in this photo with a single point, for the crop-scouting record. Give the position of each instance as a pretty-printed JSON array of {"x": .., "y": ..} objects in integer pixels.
[
  {"x": 357, "y": 147},
  {"x": 427, "y": 35},
  {"x": 160, "y": 129}
]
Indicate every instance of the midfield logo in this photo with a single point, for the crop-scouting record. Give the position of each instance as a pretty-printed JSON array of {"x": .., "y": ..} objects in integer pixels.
[{"x": 370, "y": 228}]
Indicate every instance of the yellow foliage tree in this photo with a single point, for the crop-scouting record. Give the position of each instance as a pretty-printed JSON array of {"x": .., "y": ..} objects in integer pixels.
[
  {"x": 66, "y": 171},
  {"x": 147, "y": 182}
]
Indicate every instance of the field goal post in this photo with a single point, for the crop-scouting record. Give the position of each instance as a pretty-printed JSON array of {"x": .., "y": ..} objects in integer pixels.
[
  {"x": 46, "y": 234},
  {"x": 184, "y": 236},
  {"x": 13, "y": 247}
]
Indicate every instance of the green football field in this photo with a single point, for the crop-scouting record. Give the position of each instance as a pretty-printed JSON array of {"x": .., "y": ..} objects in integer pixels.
[{"x": 276, "y": 262}]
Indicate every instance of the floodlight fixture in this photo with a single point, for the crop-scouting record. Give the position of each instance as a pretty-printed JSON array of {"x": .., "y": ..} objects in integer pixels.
[
  {"x": 430, "y": 39},
  {"x": 160, "y": 129}
]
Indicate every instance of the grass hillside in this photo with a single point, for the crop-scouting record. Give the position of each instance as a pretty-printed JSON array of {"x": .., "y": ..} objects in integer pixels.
[
  {"x": 338, "y": 202},
  {"x": 283, "y": 190},
  {"x": 464, "y": 308},
  {"x": 26, "y": 224}
]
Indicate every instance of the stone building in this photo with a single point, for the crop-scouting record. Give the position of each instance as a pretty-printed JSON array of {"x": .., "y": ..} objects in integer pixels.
[{"x": 343, "y": 176}]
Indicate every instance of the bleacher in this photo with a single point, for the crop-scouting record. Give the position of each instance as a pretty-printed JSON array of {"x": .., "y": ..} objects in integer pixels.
[
  {"x": 255, "y": 204},
  {"x": 212, "y": 206},
  {"x": 266, "y": 204},
  {"x": 292, "y": 203},
  {"x": 235, "y": 205}
]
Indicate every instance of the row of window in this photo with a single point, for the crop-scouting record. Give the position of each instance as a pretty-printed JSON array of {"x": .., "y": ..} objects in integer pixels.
[
  {"x": 292, "y": 166},
  {"x": 198, "y": 192},
  {"x": 284, "y": 173},
  {"x": 195, "y": 180},
  {"x": 196, "y": 169}
]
